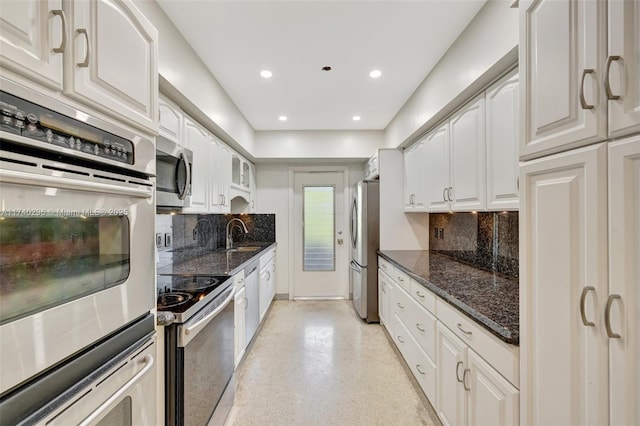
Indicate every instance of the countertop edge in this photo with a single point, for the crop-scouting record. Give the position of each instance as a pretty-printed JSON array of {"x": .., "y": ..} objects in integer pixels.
[
  {"x": 488, "y": 324},
  {"x": 251, "y": 259}
]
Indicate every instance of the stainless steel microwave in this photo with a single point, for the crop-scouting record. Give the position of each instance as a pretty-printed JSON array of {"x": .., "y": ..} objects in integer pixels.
[{"x": 173, "y": 171}]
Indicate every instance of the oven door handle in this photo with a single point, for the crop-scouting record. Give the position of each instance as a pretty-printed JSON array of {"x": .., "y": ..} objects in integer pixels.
[
  {"x": 192, "y": 330},
  {"x": 13, "y": 176},
  {"x": 149, "y": 361}
]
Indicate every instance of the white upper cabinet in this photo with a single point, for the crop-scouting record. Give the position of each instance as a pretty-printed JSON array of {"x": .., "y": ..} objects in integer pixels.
[
  {"x": 502, "y": 144},
  {"x": 414, "y": 177},
  {"x": 622, "y": 69},
  {"x": 437, "y": 168},
  {"x": 467, "y": 189},
  {"x": 222, "y": 173},
  {"x": 33, "y": 39},
  {"x": 623, "y": 311},
  {"x": 562, "y": 57},
  {"x": 113, "y": 60},
  {"x": 171, "y": 117},
  {"x": 197, "y": 140}
]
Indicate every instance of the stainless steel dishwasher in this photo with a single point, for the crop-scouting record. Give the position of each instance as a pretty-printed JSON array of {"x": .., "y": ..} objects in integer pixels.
[{"x": 252, "y": 293}]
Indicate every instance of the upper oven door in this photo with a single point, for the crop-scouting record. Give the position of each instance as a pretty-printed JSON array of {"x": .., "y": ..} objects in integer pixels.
[{"x": 76, "y": 259}]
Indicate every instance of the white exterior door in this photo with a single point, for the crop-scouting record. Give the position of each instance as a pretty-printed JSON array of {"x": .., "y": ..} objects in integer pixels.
[
  {"x": 437, "y": 166},
  {"x": 33, "y": 40},
  {"x": 320, "y": 236},
  {"x": 624, "y": 280},
  {"x": 622, "y": 76},
  {"x": 562, "y": 54},
  {"x": 114, "y": 60},
  {"x": 468, "y": 162},
  {"x": 563, "y": 289}
]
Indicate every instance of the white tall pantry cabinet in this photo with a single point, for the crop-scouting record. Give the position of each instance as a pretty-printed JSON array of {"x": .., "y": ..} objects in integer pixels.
[{"x": 580, "y": 212}]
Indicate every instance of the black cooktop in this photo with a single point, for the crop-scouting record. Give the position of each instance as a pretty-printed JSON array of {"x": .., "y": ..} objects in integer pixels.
[{"x": 180, "y": 294}]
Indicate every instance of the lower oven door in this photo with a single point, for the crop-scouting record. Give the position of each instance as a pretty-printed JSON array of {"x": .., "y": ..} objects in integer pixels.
[
  {"x": 76, "y": 260},
  {"x": 205, "y": 362},
  {"x": 123, "y": 396}
]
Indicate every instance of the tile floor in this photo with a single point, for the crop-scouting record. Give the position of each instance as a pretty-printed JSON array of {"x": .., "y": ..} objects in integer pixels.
[{"x": 316, "y": 363}]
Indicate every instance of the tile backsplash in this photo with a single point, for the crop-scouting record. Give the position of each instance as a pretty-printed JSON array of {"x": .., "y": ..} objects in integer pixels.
[
  {"x": 208, "y": 230},
  {"x": 487, "y": 240}
]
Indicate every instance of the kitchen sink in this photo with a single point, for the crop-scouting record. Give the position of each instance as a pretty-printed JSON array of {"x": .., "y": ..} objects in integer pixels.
[{"x": 244, "y": 249}]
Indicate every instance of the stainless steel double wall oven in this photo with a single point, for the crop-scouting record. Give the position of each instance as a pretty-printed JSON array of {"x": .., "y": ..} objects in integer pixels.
[{"x": 76, "y": 265}]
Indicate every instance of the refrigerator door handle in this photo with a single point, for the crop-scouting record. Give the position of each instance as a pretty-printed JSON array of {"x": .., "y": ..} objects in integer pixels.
[
  {"x": 355, "y": 267},
  {"x": 354, "y": 229}
]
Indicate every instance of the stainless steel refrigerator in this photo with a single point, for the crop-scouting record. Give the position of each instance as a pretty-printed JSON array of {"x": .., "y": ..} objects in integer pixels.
[{"x": 365, "y": 239}]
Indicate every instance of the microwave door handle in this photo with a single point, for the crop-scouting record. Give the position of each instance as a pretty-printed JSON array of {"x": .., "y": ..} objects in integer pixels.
[
  {"x": 149, "y": 361},
  {"x": 184, "y": 160}
]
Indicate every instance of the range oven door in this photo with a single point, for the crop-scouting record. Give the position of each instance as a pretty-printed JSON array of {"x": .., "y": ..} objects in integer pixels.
[
  {"x": 75, "y": 260},
  {"x": 201, "y": 364}
]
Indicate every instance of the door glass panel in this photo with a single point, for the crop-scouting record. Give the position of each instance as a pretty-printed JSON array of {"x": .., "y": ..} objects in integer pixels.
[
  {"x": 120, "y": 415},
  {"x": 48, "y": 261},
  {"x": 319, "y": 228}
]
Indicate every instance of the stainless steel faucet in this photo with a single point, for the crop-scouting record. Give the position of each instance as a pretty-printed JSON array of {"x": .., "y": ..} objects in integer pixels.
[{"x": 230, "y": 228}]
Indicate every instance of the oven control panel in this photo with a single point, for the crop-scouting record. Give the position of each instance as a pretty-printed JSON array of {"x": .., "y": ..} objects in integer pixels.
[{"x": 24, "y": 118}]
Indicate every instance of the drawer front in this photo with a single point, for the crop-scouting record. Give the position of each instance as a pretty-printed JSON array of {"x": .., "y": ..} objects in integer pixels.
[
  {"x": 420, "y": 364},
  {"x": 422, "y": 326},
  {"x": 425, "y": 297},
  {"x": 387, "y": 267},
  {"x": 403, "y": 280},
  {"x": 401, "y": 305},
  {"x": 503, "y": 357},
  {"x": 265, "y": 258},
  {"x": 400, "y": 335}
]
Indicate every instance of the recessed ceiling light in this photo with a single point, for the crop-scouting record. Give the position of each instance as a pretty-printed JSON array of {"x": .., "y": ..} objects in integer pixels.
[
  {"x": 283, "y": 118},
  {"x": 356, "y": 118},
  {"x": 375, "y": 73},
  {"x": 266, "y": 74}
]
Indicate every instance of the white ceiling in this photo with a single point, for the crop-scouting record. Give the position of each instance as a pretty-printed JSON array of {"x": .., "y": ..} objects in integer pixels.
[{"x": 295, "y": 39}]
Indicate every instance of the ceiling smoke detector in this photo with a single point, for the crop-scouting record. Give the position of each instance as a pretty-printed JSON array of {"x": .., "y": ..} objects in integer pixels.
[{"x": 326, "y": 68}]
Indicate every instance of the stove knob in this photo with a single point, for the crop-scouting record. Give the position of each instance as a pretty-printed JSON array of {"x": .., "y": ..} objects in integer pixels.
[{"x": 165, "y": 318}]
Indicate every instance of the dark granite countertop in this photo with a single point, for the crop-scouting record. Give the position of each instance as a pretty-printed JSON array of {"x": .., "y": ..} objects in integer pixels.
[
  {"x": 199, "y": 261},
  {"x": 490, "y": 299}
]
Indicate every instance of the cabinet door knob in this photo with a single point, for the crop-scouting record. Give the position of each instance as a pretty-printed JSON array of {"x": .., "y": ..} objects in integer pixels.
[
  {"x": 583, "y": 299},
  {"x": 607, "y": 80},
  {"x": 583, "y": 101},
  {"x": 87, "y": 54},
  {"x": 607, "y": 316},
  {"x": 63, "y": 41}
]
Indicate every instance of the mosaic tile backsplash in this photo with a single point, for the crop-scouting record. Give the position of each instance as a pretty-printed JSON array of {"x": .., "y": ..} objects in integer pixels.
[
  {"x": 207, "y": 231},
  {"x": 486, "y": 240}
]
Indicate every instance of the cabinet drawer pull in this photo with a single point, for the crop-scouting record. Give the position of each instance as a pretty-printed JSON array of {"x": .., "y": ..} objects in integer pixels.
[
  {"x": 458, "y": 371},
  {"x": 419, "y": 328},
  {"x": 583, "y": 102},
  {"x": 420, "y": 295},
  {"x": 87, "y": 55},
  {"x": 468, "y": 333},
  {"x": 400, "y": 305},
  {"x": 63, "y": 41},
  {"x": 419, "y": 370},
  {"x": 583, "y": 299},
  {"x": 400, "y": 279},
  {"x": 466, "y": 374},
  {"x": 607, "y": 80},
  {"x": 607, "y": 316},
  {"x": 400, "y": 339},
  {"x": 384, "y": 266}
]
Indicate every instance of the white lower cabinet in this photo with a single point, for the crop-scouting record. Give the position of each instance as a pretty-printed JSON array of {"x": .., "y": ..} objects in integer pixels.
[
  {"x": 239, "y": 312},
  {"x": 470, "y": 391},
  {"x": 468, "y": 375}
]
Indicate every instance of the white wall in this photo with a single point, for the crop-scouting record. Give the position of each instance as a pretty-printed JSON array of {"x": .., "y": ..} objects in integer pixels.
[
  {"x": 317, "y": 144},
  {"x": 184, "y": 77},
  {"x": 273, "y": 197},
  {"x": 486, "y": 48}
]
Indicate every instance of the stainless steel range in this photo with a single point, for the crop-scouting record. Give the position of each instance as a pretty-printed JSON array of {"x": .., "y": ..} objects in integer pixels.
[{"x": 198, "y": 315}]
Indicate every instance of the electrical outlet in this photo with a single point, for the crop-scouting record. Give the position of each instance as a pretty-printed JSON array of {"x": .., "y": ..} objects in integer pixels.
[
  {"x": 167, "y": 240},
  {"x": 158, "y": 240},
  {"x": 441, "y": 233}
]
